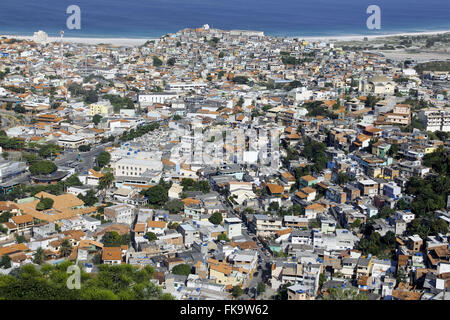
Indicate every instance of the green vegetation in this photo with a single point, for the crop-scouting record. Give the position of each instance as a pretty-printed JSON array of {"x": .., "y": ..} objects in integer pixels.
[
  {"x": 240, "y": 80},
  {"x": 72, "y": 181},
  {"x": 237, "y": 291},
  {"x": 84, "y": 148},
  {"x": 261, "y": 288},
  {"x": 139, "y": 132},
  {"x": 182, "y": 269},
  {"x": 373, "y": 243},
  {"x": 66, "y": 248},
  {"x": 344, "y": 294},
  {"x": 39, "y": 256},
  {"x": 151, "y": 236},
  {"x": 11, "y": 143},
  {"x": 156, "y": 195},
  {"x": 193, "y": 185},
  {"x": 5, "y": 262},
  {"x": 43, "y": 167},
  {"x": 174, "y": 206},
  {"x": 106, "y": 181},
  {"x": 316, "y": 109},
  {"x": 96, "y": 119},
  {"x": 432, "y": 66},
  {"x": 118, "y": 282},
  {"x": 103, "y": 159},
  {"x": 44, "y": 204},
  {"x": 89, "y": 198},
  {"x": 49, "y": 150},
  {"x": 114, "y": 239},
  {"x": 288, "y": 59},
  {"x": 315, "y": 151},
  {"x": 119, "y": 102},
  {"x": 216, "y": 218},
  {"x": 157, "y": 62},
  {"x": 223, "y": 237}
]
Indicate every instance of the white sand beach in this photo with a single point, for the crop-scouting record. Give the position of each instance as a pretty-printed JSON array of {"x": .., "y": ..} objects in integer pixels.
[
  {"x": 370, "y": 37},
  {"x": 140, "y": 41}
]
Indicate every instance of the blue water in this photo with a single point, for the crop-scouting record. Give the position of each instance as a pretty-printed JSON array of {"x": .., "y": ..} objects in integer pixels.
[{"x": 154, "y": 18}]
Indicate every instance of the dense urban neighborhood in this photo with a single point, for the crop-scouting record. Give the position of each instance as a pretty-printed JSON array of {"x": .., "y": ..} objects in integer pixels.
[{"x": 219, "y": 165}]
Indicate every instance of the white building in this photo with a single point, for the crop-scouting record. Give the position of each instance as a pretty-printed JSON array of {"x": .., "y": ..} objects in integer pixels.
[
  {"x": 233, "y": 227},
  {"x": 156, "y": 97},
  {"x": 40, "y": 37},
  {"x": 435, "y": 119},
  {"x": 135, "y": 167}
]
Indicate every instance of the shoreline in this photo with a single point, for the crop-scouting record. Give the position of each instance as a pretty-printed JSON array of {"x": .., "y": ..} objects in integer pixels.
[{"x": 141, "y": 41}]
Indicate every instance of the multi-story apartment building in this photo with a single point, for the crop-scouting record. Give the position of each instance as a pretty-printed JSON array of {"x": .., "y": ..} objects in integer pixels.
[{"x": 435, "y": 119}]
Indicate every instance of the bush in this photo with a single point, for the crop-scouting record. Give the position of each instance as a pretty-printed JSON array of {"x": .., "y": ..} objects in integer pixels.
[
  {"x": 216, "y": 218},
  {"x": 151, "y": 236},
  {"x": 182, "y": 269},
  {"x": 44, "y": 204}
]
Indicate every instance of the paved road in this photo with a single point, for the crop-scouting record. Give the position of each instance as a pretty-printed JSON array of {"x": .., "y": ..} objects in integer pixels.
[
  {"x": 87, "y": 158},
  {"x": 262, "y": 273}
]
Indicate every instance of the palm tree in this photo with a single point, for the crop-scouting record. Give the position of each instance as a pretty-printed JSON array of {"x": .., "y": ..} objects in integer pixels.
[
  {"x": 66, "y": 248},
  {"x": 106, "y": 180},
  {"x": 39, "y": 256}
]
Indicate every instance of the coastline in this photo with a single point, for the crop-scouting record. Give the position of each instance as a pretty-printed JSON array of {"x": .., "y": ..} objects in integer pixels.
[{"x": 141, "y": 41}]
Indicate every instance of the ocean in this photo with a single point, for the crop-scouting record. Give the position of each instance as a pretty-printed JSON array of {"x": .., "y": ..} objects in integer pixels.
[{"x": 154, "y": 18}]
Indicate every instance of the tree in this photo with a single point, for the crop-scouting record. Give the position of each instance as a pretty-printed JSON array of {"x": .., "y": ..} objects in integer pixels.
[
  {"x": 66, "y": 248},
  {"x": 73, "y": 181},
  {"x": 385, "y": 212},
  {"x": 342, "y": 178},
  {"x": 402, "y": 277},
  {"x": 49, "y": 150},
  {"x": 90, "y": 97},
  {"x": 322, "y": 279},
  {"x": 111, "y": 282},
  {"x": 171, "y": 61},
  {"x": 114, "y": 239},
  {"x": 223, "y": 237},
  {"x": 166, "y": 296},
  {"x": 156, "y": 195},
  {"x": 42, "y": 167},
  {"x": 4, "y": 217},
  {"x": 84, "y": 148},
  {"x": 240, "y": 80},
  {"x": 157, "y": 62},
  {"x": 182, "y": 269},
  {"x": 106, "y": 181},
  {"x": 20, "y": 239},
  {"x": 274, "y": 206},
  {"x": 237, "y": 291},
  {"x": 174, "y": 206},
  {"x": 39, "y": 256},
  {"x": 96, "y": 119},
  {"x": 44, "y": 204},
  {"x": 89, "y": 198},
  {"x": 356, "y": 224},
  {"x": 282, "y": 292},
  {"x": 151, "y": 236},
  {"x": 216, "y": 218},
  {"x": 260, "y": 288},
  {"x": 103, "y": 159},
  {"x": 370, "y": 101},
  {"x": 5, "y": 262}
]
